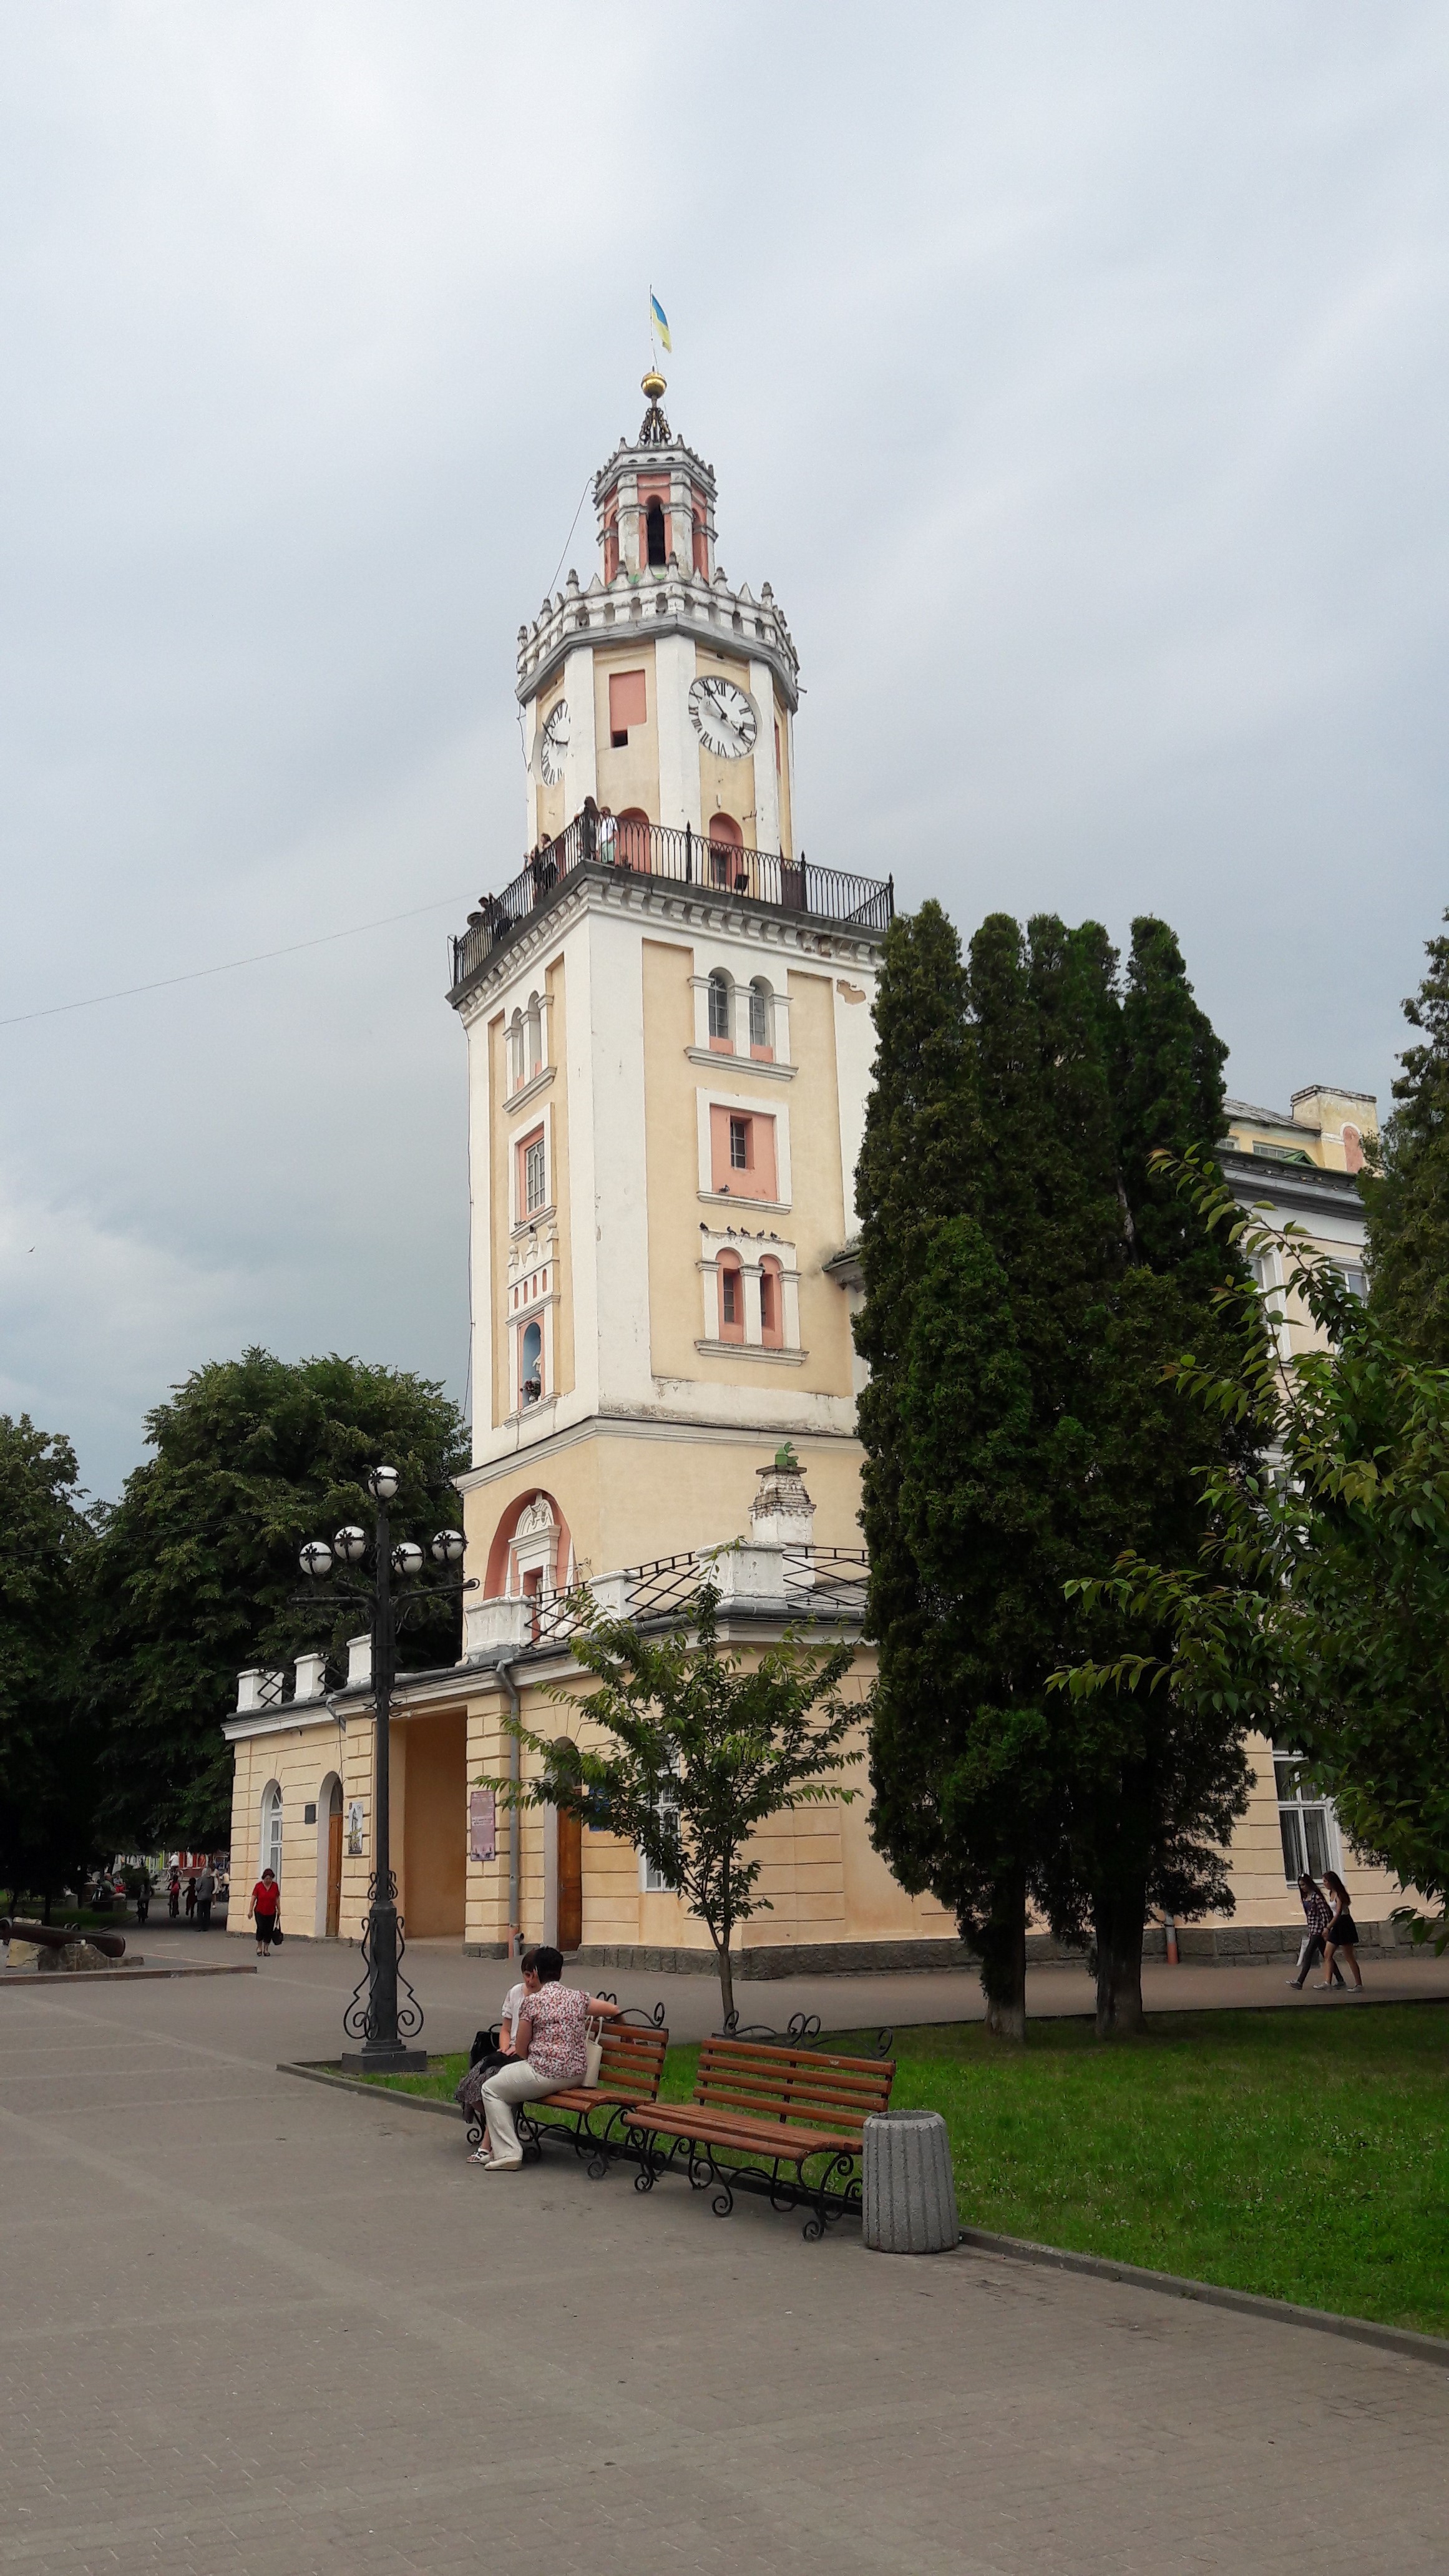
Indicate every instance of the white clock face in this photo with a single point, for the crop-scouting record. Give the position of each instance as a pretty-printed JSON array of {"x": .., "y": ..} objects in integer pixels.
[
  {"x": 553, "y": 742},
  {"x": 724, "y": 717}
]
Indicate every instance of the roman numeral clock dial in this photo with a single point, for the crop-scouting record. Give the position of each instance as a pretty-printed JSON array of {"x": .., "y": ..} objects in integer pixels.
[
  {"x": 724, "y": 718},
  {"x": 553, "y": 742}
]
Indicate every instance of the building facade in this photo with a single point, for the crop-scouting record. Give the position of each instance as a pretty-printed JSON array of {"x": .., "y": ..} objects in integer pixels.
[{"x": 668, "y": 1023}]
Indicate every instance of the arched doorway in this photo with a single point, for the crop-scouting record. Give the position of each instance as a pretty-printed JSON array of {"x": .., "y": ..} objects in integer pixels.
[
  {"x": 329, "y": 1858},
  {"x": 728, "y": 865}
]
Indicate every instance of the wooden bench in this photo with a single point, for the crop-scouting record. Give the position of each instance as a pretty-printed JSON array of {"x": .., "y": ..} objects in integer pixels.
[
  {"x": 629, "y": 2074},
  {"x": 783, "y": 2106}
]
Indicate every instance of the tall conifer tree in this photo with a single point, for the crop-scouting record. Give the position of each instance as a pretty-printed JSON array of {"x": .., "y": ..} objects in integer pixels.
[
  {"x": 1408, "y": 1199},
  {"x": 1019, "y": 1433}
]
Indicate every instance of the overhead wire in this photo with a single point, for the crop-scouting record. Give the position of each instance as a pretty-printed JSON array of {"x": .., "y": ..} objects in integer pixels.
[{"x": 229, "y": 966}]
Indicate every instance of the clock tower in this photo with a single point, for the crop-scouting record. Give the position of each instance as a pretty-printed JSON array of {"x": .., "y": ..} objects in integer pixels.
[
  {"x": 659, "y": 691},
  {"x": 669, "y": 1039}
]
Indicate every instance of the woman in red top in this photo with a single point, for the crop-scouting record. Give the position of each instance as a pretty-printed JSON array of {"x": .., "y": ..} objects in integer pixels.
[{"x": 265, "y": 1910}]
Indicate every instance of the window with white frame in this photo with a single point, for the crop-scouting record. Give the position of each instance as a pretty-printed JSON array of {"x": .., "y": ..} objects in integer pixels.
[
  {"x": 760, "y": 1030},
  {"x": 530, "y": 1364},
  {"x": 272, "y": 1829},
  {"x": 1305, "y": 1820},
  {"x": 652, "y": 1881},
  {"x": 719, "y": 1008}
]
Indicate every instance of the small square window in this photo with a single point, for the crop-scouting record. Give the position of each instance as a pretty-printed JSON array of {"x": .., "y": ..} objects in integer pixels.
[{"x": 618, "y": 742}]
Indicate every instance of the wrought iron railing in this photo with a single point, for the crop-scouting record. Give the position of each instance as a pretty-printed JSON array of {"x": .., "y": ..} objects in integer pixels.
[
  {"x": 818, "y": 1580},
  {"x": 648, "y": 850}
]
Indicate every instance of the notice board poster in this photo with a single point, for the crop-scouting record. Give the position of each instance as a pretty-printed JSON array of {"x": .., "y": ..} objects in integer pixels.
[{"x": 482, "y": 1825}]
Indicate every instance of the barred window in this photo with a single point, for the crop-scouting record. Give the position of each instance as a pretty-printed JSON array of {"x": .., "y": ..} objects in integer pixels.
[{"x": 533, "y": 1176}]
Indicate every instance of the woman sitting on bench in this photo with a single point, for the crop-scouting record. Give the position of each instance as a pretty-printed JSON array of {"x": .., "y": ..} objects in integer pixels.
[{"x": 548, "y": 2051}]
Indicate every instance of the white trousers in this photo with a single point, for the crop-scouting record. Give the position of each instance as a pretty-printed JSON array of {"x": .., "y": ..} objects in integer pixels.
[{"x": 520, "y": 2083}]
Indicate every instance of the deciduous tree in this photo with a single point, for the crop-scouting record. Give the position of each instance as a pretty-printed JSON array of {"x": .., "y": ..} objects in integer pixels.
[
  {"x": 704, "y": 1748},
  {"x": 195, "y": 1570}
]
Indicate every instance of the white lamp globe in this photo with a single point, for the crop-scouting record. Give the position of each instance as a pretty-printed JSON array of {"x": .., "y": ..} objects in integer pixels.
[
  {"x": 351, "y": 1544},
  {"x": 383, "y": 1482},
  {"x": 316, "y": 1559},
  {"x": 407, "y": 1558},
  {"x": 450, "y": 1547}
]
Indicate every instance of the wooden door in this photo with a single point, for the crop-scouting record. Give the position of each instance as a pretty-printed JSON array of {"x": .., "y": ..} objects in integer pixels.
[
  {"x": 334, "y": 1869},
  {"x": 570, "y": 1881}
]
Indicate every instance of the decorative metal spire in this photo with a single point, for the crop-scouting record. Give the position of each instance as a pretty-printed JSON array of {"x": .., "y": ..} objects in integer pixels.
[{"x": 654, "y": 430}]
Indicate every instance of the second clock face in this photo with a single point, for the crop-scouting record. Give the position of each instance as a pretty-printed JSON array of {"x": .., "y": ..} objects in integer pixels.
[
  {"x": 724, "y": 717},
  {"x": 553, "y": 742}
]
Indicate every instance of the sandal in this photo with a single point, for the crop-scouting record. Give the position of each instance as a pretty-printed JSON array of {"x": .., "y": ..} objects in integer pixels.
[{"x": 480, "y": 2156}]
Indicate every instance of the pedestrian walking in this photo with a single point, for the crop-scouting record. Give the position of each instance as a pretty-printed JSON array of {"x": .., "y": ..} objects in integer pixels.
[
  {"x": 550, "y": 2049},
  {"x": 173, "y": 1894},
  {"x": 265, "y": 1910},
  {"x": 1342, "y": 1931},
  {"x": 191, "y": 1896},
  {"x": 205, "y": 1891},
  {"x": 1318, "y": 1914},
  {"x": 143, "y": 1894}
]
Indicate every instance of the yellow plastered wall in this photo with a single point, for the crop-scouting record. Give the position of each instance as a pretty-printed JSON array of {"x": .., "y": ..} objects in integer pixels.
[
  {"x": 814, "y": 1220},
  {"x": 728, "y": 786},
  {"x": 781, "y": 716},
  {"x": 630, "y": 776}
]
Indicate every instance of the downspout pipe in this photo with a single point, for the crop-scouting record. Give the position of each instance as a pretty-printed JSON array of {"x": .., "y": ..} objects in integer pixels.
[{"x": 515, "y": 1829}]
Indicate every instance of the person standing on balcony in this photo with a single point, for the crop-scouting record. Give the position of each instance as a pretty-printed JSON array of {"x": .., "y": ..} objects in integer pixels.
[{"x": 608, "y": 836}]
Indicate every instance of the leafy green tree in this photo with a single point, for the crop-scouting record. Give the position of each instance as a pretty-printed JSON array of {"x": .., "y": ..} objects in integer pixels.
[
  {"x": 1320, "y": 1611},
  {"x": 704, "y": 1749},
  {"x": 1408, "y": 1192},
  {"x": 194, "y": 1571},
  {"x": 48, "y": 1782},
  {"x": 1017, "y": 1425}
]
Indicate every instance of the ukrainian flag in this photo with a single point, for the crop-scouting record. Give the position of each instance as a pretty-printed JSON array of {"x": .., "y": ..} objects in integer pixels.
[{"x": 660, "y": 319}]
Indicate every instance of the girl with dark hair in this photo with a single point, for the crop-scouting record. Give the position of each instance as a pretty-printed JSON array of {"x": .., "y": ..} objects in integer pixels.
[{"x": 1342, "y": 1932}]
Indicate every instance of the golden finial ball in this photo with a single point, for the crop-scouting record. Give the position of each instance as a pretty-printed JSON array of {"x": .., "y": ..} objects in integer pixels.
[{"x": 653, "y": 384}]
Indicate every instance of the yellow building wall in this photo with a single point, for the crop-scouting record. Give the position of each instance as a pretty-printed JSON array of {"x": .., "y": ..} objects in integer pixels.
[
  {"x": 629, "y": 776},
  {"x": 728, "y": 786}
]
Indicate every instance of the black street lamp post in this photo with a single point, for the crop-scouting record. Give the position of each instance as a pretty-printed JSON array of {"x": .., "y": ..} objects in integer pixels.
[{"x": 375, "y": 2015}]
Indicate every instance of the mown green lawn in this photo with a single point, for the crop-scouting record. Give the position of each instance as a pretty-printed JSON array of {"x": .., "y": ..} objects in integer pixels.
[{"x": 1301, "y": 2154}]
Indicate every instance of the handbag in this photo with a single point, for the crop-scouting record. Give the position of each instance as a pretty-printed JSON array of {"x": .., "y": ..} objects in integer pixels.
[
  {"x": 593, "y": 2053},
  {"x": 276, "y": 1936}
]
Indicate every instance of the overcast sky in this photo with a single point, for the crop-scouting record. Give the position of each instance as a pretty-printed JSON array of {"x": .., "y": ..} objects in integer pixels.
[{"x": 1076, "y": 375}]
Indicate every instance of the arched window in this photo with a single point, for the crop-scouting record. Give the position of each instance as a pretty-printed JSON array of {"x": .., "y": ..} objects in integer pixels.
[
  {"x": 271, "y": 1851},
  {"x": 654, "y": 552},
  {"x": 731, "y": 1299},
  {"x": 517, "y": 1075},
  {"x": 533, "y": 1037},
  {"x": 760, "y": 1018},
  {"x": 530, "y": 1363},
  {"x": 772, "y": 1304},
  {"x": 719, "y": 1011}
]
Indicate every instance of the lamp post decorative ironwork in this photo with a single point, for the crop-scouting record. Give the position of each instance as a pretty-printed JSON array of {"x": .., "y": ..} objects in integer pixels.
[{"x": 375, "y": 2016}]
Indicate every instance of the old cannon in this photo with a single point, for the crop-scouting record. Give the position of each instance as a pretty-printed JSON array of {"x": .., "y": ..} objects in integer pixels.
[{"x": 56, "y": 1936}]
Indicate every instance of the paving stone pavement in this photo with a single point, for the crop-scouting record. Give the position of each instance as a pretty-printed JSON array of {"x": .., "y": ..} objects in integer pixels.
[{"x": 250, "y": 2324}]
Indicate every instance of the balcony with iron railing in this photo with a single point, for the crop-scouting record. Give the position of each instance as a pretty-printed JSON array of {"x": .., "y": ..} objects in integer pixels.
[
  {"x": 819, "y": 1583},
  {"x": 655, "y": 855}
]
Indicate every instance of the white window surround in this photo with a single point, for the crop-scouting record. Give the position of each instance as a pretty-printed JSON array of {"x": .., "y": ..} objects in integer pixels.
[
  {"x": 270, "y": 1838},
  {"x": 750, "y": 1251},
  {"x": 742, "y": 1105},
  {"x": 541, "y": 1312},
  {"x": 523, "y": 1220},
  {"x": 779, "y": 1039},
  {"x": 520, "y": 1019}
]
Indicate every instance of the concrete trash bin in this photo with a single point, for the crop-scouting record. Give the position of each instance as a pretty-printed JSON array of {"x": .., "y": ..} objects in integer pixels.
[{"x": 909, "y": 2198}]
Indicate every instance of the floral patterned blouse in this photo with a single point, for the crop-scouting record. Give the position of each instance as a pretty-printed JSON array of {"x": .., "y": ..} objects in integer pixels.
[{"x": 559, "y": 2015}]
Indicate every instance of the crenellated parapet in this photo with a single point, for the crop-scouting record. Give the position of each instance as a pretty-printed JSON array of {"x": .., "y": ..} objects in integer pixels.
[{"x": 650, "y": 605}]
